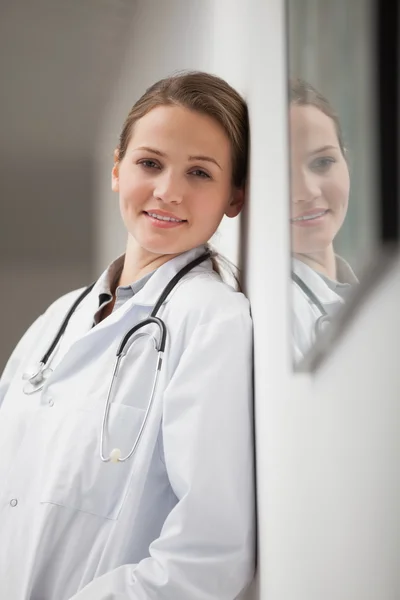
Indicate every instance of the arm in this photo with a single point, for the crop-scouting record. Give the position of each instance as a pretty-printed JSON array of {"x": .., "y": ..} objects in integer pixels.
[{"x": 206, "y": 547}]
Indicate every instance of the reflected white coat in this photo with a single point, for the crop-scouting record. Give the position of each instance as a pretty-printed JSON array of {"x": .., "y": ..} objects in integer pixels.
[
  {"x": 305, "y": 313},
  {"x": 174, "y": 522}
]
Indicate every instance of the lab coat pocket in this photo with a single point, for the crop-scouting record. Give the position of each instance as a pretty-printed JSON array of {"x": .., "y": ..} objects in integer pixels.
[{"x": 76, "y": 477}]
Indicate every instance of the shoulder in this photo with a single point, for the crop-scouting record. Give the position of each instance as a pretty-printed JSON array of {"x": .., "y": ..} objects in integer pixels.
[
  {"x": 207, "y": 296},
  {"x": 40, "y": 327},
  {"x": 208, "y": 318},
  {"x": 55, "y": 312},
  {"x": 65, "y": 301},
  {"x": 59, "y": 307}
]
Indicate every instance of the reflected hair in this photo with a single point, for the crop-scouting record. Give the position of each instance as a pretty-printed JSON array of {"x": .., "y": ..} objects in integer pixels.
[{"x": 302, "y": 93}]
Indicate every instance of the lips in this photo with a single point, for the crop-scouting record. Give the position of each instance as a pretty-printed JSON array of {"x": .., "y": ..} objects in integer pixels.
[
  {"x": 164, "y": 216},
  {"x": 310, "y": 215}
]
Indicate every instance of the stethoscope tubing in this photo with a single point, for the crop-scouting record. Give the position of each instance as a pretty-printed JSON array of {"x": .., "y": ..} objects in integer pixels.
[
  {"x": 324, "y": 318},
  {"x": 37, "y": 380}
]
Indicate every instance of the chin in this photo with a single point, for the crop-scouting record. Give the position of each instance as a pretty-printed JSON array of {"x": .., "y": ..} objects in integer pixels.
[
  {"x": 312, "y": 246},
  {"x": 310, "y": 250}
]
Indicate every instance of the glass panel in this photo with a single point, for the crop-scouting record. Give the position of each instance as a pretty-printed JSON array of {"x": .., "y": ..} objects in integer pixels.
[{"x": 332, "y": 160}]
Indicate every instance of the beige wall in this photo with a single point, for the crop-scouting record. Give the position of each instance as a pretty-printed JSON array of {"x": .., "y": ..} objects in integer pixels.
[
  {"x": 57, "y": 69},
  {"x": 46, "y": 238}
]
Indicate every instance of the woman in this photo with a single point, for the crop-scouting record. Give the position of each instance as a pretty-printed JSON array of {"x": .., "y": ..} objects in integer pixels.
[
  {"x": 320, "y": 186},
  {"x": 149, "y": 495}
]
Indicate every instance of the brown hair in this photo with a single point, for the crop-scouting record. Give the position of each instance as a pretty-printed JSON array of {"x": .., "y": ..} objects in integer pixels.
[
  {"x": 206, "y": 94},
  {"x": 303, "y": 93}
]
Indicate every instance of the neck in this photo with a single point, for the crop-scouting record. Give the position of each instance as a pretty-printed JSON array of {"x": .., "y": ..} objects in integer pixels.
[
  {"x": 139, "y": 262},
  {"x": 323, "y": 262}
]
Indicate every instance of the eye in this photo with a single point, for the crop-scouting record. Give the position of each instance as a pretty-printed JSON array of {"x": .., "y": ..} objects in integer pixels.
[
  {"x": 200, "y": 173},
  {"x": 149, "y": 164},
  {"x": 322, "y": 164}
]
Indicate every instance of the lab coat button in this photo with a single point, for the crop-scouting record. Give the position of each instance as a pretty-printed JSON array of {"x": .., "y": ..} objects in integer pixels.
[
  {"x": 51, "y": 402},
  {"x": 13, "y": 502}
]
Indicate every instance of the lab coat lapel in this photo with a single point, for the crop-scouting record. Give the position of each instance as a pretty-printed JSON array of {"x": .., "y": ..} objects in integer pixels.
[
  {"x": 150, "y": 293},
  {"x": 81, "y": 339},
  {"x": 315, "y": 282},
  {"x": 147, "y": 297}
]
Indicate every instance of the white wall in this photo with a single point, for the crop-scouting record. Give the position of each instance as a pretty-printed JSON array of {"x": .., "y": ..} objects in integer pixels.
[
  {"x": 267, "y": 277},
  {"x": 334, "y": 522}
]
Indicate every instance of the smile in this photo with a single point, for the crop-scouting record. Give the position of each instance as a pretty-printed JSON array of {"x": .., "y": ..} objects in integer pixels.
[
  {"x": 162, "y": 218},
  {"x": 309, "y": 217}
]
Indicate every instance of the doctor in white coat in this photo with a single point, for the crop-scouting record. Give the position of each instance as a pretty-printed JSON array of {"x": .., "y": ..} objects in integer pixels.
[
  {"x": 163, "y": 510},
  {"x": 320, "y": 186}
]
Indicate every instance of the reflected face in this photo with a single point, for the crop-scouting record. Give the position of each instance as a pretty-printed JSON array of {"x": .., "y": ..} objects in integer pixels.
[
  {"x": 320, "y": 182},
  {"x": 175, "y": 180}
]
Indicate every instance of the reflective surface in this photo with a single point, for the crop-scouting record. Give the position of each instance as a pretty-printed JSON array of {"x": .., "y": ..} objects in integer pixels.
[{"x": 332, "y": 166}]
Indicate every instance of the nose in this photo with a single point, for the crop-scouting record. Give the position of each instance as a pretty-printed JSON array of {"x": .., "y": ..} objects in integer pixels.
[
  {"x": 169, "y": 188},
  {"x": 305, "y": 186}
]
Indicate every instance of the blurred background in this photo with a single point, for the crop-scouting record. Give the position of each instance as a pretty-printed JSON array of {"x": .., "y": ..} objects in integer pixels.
[{"x": 58, "y": 65}]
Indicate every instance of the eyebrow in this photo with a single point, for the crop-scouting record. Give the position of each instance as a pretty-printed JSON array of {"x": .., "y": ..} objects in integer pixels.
[
  {"x": 206, "y": 158},
  {"x": 323, "y": 149},
  {"x": 162, "y": 154}
]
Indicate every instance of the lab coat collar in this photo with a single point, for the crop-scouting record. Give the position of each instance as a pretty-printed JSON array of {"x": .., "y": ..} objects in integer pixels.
[
  {"x": 345, "y": 273},
  {"x": 133, "y": 310},
  {"x": 151, "y": 291},
  {"x": 318, "y": 285},
  {"x": 109, "y": 277}
]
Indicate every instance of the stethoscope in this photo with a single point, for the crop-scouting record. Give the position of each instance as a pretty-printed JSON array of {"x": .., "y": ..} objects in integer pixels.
[
  {"x": 324, "y": 319},
  {"x": 36, "y": 380}
]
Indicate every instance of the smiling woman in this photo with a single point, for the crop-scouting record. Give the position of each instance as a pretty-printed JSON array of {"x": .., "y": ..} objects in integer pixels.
[
  {"x": 182, "y": 142},
  {"x": 136, "y": 461},
  {"x": 320, "y": 187}
]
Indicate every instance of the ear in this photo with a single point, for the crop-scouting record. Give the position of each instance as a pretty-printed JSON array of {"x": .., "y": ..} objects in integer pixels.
[
  {"x": 236, "y": 203},
  {"x": 115, "y": 172}
]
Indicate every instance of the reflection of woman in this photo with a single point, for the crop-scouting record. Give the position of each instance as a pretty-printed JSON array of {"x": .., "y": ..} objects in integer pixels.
[
  {"x": 320, "y": 186},
  {"x": 167, "y": 511}
]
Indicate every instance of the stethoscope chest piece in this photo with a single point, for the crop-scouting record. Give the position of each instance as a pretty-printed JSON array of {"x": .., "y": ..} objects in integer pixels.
[
  {"x": 115, "y": 455},
  {"x": 36, "y": 378},
  {"x": 322, "y": 324}
]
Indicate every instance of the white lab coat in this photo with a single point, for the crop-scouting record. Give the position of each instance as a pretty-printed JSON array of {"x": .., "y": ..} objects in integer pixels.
[
  {"x": 305, "y": 313},
  {"x": 174, "y": 522}
]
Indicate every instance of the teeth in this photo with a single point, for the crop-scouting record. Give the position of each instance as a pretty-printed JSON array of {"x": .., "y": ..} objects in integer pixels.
[
  {"x": 160, "y": 218},
  {"x": 310, "y": 217}
]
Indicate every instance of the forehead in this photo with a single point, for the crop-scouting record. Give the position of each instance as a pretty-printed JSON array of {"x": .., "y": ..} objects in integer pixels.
[
  {"x": 167, "y": 125},
  {"x": 310, "y": 127}
]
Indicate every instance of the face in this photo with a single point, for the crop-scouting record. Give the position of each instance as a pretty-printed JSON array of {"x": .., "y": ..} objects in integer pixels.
[
  {"x": 320, "y": 182},
  {"x": 175, "y": 180}
]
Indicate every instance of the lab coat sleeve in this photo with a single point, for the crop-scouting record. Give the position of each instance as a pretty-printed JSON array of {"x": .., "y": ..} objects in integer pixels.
[
  {"x": 18, "y": 354},
  {"x": 206, "y": 547}
]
